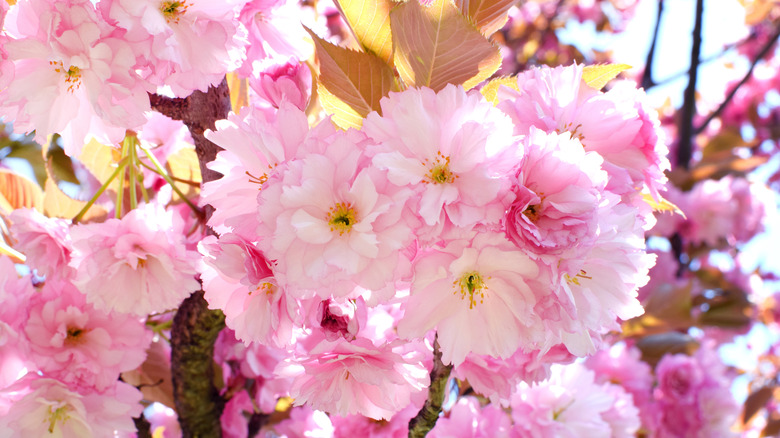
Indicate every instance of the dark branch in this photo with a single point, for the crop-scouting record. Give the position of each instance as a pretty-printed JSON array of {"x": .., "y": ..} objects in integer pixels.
[
  {"x": 420, "y": 425},
  {"x": 685, "y": 145},
  {"x": 142, "y": 427},
  {"x": 764, "y": 51},
  {"x": 195, "y": 326},
  {"x": 647, "y": 75}
]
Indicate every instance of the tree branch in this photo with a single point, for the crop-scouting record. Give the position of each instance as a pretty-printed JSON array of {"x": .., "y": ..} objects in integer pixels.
[
  {"x": 764, "y": 51},
  {"x": 195, "y": 326},
  {"x": 685, "y": 145},
  {"x": 420, "y": 425},
  {"x": 647, "y": 75}
]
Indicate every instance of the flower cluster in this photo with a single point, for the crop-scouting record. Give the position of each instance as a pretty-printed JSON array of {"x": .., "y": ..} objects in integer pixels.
[{"x": 512, "y": 235}]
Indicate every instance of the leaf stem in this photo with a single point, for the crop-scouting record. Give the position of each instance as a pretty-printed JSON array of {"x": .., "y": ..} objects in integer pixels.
[
  {"x": 169, "y": 180},
  {"x": 120, "y": 168},
  {"x": 131, "y": 141}
]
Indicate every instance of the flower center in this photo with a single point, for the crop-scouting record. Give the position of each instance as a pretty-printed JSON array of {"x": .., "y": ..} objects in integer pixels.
[
  {"x": 341, "y": 217},
  {"x": 260, "y": 180},
  {"x": 172, "y": 11},
  {"x": 532, "y": 212},
  {"x": 56, "y": 415},
  {"x": 75, "y": 336},
  {"x": 575, "y": 279},
  {"x": 471, "y": 285},
  {"x": 439, "y": 170},
  {"x": 573, "y": 131},
  {"x": 72, "y": 74}
]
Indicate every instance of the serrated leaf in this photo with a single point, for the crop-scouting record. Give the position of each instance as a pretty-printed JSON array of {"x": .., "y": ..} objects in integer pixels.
[
  {"x": 436, "y": 45},
  {"x": 597, "y": 76},
  {"x": 239, "y": 91},
  {"x": 488, "y": 15},
  {"x": 661, "y": 204},
  {"x": 16, "y": 191},
  {"x": 350, "y": 83},
  {"x": 490, "y": 89},
  {"x": 57, "y": 204},
  {"x": 370, "y": 23}
]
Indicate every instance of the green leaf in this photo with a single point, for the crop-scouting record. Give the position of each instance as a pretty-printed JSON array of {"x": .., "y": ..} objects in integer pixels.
[
  {"x": 350, "y": 83},
  {"x": 370, "y": 23},
  {"x": 488, "y": 15},
  {"x": 436, "y": 45},
  {"x": 597, "y": 76},
  {"x": 17, "y": 191},
  {"x": 57, "y": 204},
  {"x": 490, "y": 89}
]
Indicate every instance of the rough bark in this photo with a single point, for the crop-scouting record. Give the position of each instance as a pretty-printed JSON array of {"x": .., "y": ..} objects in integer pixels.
[{"x": 423, "y": 422}]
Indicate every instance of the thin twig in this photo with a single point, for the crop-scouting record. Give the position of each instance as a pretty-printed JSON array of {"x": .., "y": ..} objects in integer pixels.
[
  {"x": 685, "y": 146},
  {"x": 764, "y": 51},
  {"x": 647, "y": 75}
]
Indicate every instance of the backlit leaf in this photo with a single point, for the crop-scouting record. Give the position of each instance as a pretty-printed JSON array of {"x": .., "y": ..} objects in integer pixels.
[
  {"x": 184, "y": 167},
  {"x": 436, "y": 45},
  {"x": 755, "y": 402},
  {"x": 661, "y": 204},
  {"x": 488, "y": 15},
  {"x": 597, "y": 76},
  {"x": 370, "y": 23},
  {"x": 58, "y": 204},
  {"x": 17, "y": 191},
  {"x": 239, "y": 91},
  {"x": 490, "y": 89},
  {"x": 350, "y": 83},
  {"x": 101, "y": 161}
]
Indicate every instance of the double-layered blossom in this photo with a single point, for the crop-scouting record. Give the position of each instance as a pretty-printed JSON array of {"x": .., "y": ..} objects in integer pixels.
[
  {"x": 357, "y": 377},
  {"x": 72, "y": 75},
  {"x": 187, "y": 45},
  {"x": 44, "y": 241},
  {"x": 476, "y": 293},
  {"x": 239, "y": 281},
  {"x": 332, "y": 223},
  {"x": 453, "y": 148},
  {"x": 47, "y": 407},
  {"x": 571, "y": 405},
  {"x": 467, "y": 419},
  {"x": 71, "y": 341},
  {"x": 616, "y": 124},
  {"x": 135, "y": 265}
]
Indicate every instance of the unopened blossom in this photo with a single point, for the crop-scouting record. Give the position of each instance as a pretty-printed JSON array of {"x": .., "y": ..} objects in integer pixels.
[
  {"x": 239, "y": 281},
  {"x": 356, "y": 377},
  {"x": 138, "y": 264},
  {"x": 452, "y": 147},
  {"x": 571, "y": 405},
  {"x": 615, "y": 124},
  {"x": 289, "y": 81},
  {"x": 47, "y": 407},
  {"x": 44, "y": 241},
  {"x": 188, "y": 45},
  {"x": 73, "y": 342},
  {"x": 333, "y": 223},
  {"x": 558, "y": 191},
  {"x": 476, "y": 294},
  {"x": 72, "y": 76}
]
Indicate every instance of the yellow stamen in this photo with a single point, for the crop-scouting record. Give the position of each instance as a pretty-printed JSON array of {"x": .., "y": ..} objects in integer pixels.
[
  {"x": 72, "y": 74},
  {"x": 341, "y": 217},
  {"x": 172, "y": 11},
  {"x": 439, "y": 170},
  {"x": 470, "y": 285}
]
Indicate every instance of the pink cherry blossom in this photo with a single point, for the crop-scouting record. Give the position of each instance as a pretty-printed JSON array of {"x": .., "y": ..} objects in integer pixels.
[
  {"x": 615, "y": 124},
  {"x": 358, "y": 425},
  {"x": 453, "y": 148},
  {"x": 305, "y": 422},
  {"x": 239, "y": 281},
  {"x": 356, "y": 377},
  {"x": 187, "y": 45},
  {"x": 45, "y": 241},
  {"x": 476, "y": 294},
  {"x": 82, "y": 347},
  {"x": 254, "y": 143},
  {"x": 47, "y": 407},
  {"x": 571, "y": 405},
  {"x": 332, "y": 223},
  {"x": 73, "y": 77},
  {"x": 274, "y": 32},
  {"x": 144, "y": 252},
  {"x": 467, "y": 419},
  {"x": 557, "y": 198},
  {"x": 289, "y": 82},
  {"x": 15, "y": 292}
]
